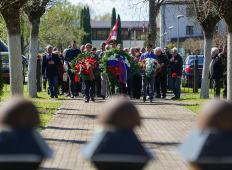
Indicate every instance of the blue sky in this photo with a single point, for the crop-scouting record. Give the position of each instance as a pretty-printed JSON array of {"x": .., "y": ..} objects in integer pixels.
[{"x": 127, "y": 11}]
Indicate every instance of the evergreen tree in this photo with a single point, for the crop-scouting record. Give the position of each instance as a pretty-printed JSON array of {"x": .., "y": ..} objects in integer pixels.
[
  {"x": 81, "y": 18},
  {"x": 88, "y": 27},
  {"x": 119, "y": 35},
  {"x": 113, "y": 18}
]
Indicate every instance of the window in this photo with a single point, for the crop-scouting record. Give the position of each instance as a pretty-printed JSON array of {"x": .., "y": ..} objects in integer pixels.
[
  {"x": 189, "y": 30},
  {"x": 189, "y": 12},
  {"x": 140, "y": 35},
  {"x": 100, "y": 34}
]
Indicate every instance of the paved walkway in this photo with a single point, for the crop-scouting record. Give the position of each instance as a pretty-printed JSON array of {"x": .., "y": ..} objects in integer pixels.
[{"x": 165, "y": 125}]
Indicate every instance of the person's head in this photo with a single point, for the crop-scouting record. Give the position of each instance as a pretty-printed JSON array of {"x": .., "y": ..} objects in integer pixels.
[
  {"x": 216, "y": 114},
  {"x": 149, "y": 48},
  {"x": 174, "y": 51},
  {"x": 133, "y": 51},
  {"x": 158, "y": 51},
  {"x": 165, "y": 49},
  {"x": 55, "y": 49},
  {"x": 120, "y": 47},
  {"x": 113, "y": 44},
  {"x": 137, "y": 50},
  {"x": 214, "y": 51},
  {"x": 88, "y": 47},
  {"x": 126, "y": 50},
  {"x": 49, "y": 49},
  {"x": 137, "y": 57},
  {"x": 102, "y": 46},
  {"x": 18, "y": 113},
  {"x": 57, "y": 52},
  {"x": 107, "y": 47},
  {"x": 119, "y": 113},
  {"x": 94, "y": 50},
  {"x": 82, "y": 49},
  {"x": 143, "y": 50},
  {"x": 225, "y": 49},
  {"x": 74, "y": 44}
]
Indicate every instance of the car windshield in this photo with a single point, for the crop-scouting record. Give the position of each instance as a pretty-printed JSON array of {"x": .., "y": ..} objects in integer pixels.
[{"x": 190, "y": 60}]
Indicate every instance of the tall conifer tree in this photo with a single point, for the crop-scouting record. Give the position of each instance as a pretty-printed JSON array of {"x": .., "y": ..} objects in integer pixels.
[
  {"x": 119, "y": 35},
  {"x": 113, "y": 18}
]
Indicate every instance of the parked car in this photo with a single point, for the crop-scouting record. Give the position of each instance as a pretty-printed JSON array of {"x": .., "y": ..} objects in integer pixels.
[
  {"x": 187, "y": 73},
  {"x": 5, "y": 62}
]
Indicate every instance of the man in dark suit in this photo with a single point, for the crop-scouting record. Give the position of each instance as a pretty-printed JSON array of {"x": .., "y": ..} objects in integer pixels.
[
  {"x": 70, "y": 54},
  {"x": 161, "y": 77},
  {"x": 151, "y": 79},
  {"x": 50, "y": 61}
]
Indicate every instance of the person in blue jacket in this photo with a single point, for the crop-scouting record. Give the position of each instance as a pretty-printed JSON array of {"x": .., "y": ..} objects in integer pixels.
[
  {"x": 72, "y": 53},
  {"x": 151, "y": 79}
]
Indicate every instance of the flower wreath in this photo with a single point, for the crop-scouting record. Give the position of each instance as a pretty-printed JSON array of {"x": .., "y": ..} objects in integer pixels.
[
  {"x": 149, "y": 66},
  {"x": 118, "y": 65},
  {"x": 86, "y": 66}
]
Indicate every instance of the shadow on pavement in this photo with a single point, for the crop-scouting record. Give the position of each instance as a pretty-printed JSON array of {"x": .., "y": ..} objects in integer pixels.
[
  {"x": 64, "y": 140},
  {"x": 82, "y": 115},
  {"x": 63, "y": 128}
]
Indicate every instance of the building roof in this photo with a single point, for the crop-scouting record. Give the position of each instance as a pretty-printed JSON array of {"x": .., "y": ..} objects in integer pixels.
[{"x": 124, "y": 24}]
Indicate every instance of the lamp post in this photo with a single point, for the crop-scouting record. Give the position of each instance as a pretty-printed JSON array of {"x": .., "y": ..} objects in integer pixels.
[
  {"x": 170, "y": 28},
  {"x": 178, "y": 17}
]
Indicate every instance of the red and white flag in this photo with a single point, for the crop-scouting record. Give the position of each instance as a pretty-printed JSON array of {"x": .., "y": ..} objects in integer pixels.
[
  {"x": 143, "y": 27},
  {"x": 113, "y": 34}
]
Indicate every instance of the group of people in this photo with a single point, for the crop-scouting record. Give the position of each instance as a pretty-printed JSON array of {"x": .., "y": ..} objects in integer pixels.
[{"x": 56, "y": 68}]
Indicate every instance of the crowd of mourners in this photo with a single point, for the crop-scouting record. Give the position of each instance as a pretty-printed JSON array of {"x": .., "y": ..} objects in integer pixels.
[{"x": 56, "y": 70}]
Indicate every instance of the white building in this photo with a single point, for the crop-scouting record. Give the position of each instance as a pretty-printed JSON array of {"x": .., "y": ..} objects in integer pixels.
[
  {"x": 188, "y": 26},
  {"x": 101, "y": 31}
]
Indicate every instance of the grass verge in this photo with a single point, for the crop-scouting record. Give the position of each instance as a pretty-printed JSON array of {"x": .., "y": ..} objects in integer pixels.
[{"x": 46, "y": 106}]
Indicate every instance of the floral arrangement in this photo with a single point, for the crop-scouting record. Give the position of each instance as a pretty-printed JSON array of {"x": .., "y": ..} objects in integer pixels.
[
  {"x": 85, "y": 65},
  {"x": 174, "y": 75},
  {"x": 149, "y": 66},
  {"x": 118, "y": 65}
]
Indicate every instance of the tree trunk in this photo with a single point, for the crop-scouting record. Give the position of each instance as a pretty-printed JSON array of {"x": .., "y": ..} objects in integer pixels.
[
  {"x": 229, "y": 67},
  {"x": 152, "y": 23},
  {"x": 14, "y": 43},
  {"x": 208, "y": 41},
  {"x": 33, "y": 53}
]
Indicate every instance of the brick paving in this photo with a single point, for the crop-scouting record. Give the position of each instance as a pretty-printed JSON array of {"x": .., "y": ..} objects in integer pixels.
[{"x": 165, "y": 124}]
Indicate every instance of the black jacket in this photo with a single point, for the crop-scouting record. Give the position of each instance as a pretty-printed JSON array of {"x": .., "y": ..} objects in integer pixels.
[
  {"x": 163, "y": 59},
  {"x": 50, "y": 69},
  {"x": 69, "y": 56},
  {"x": 177, "y": 65},
  {"x": 217, "y": 68}
]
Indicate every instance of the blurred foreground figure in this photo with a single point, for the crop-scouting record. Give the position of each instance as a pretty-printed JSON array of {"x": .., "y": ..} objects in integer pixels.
[
  {"x": 209, "y": 146},
  {"x": 21, "y": 146},
  {"x": 116, "y": 146}
]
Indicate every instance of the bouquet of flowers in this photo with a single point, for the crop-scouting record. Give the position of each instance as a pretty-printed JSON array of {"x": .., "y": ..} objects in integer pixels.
[
  {"x": 149, "y": 66},
  {"x": 118, "y": 65},
  {"x": 86, "y": 66}
]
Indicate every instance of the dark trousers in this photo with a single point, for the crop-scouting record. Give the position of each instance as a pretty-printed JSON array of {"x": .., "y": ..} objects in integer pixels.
[
  {"x": 149, "y": 81},
  {"x": 137, "y": 85},
  {"x": 72, "y": 85},
  {"x": 53, "y": 85},
  {"x": 176, "y": 87},
  {"x": 216, "y": 87},
  {"x": 161, "y": 79},
  {"x": 98, "y": 81},
  {"x": 89, "y": 87},
  {"x": 122, "y": 88},
  {"x": 224, "y": 83},
  {"x": 130, "y": 86}
]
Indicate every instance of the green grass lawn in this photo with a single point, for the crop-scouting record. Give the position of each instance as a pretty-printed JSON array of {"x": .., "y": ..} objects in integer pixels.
[
  {"x": 46, "y": 106},
  {"x": 188, "y": 96}
]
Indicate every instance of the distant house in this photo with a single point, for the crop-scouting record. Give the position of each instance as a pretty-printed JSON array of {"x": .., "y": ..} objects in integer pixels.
[
  {"x": 188, "y": 26},
  {"x": 101, "y": 31}
]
